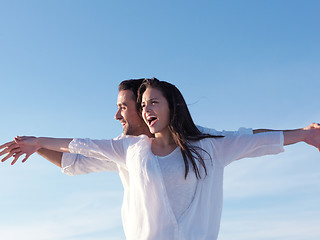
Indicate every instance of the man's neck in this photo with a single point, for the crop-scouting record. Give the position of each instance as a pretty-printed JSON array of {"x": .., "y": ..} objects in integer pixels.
[{"x": 140, "y": 131}]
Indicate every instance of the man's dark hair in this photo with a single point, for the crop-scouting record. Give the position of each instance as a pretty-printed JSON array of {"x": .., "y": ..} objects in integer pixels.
[{"x": 131, "y": 84}]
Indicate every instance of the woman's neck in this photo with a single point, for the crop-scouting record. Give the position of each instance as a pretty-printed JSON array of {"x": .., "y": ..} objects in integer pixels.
[{"x": 163, "y": 143}]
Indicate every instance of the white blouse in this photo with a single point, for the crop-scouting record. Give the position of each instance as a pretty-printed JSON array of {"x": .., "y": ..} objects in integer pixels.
[
  {"x": 147, "y": 211},
  {"x": 76, "y": 164},
  {"x": 180, "y": 190}
]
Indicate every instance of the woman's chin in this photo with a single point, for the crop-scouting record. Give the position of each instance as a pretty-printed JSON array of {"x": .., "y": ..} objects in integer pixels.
[
  {"x": 152, "y": 130},
  {"x": 155, "y": 131}
]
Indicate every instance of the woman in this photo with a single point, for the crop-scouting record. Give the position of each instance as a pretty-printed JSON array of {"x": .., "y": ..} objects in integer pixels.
[{"x": 173, "y": 182}]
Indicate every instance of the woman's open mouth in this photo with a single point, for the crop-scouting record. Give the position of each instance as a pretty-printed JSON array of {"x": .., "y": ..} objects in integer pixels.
[{"x": 152, "y": 120}]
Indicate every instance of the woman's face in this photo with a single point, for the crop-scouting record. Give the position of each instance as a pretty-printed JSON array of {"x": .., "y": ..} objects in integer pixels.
[{"x": 155, "y": 110}]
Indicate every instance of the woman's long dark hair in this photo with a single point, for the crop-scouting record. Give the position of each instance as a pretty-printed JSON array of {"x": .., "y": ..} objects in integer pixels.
[{"x": 181, "y": 125}]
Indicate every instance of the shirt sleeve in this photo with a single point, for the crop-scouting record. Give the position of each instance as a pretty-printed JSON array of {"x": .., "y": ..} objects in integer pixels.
[
  {"x": 212, "y": 131},
  {"x": 76, "y": 164},
  {"x": 230, "y": 148},
  {"x": 106, "y": 150}
]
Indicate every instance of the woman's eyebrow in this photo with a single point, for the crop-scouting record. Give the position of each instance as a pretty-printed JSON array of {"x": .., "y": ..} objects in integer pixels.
[{"x": 155, "y": 98}]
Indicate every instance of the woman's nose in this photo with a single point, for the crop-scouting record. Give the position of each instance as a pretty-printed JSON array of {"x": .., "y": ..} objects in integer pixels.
[{"x": 147, "y": 108}]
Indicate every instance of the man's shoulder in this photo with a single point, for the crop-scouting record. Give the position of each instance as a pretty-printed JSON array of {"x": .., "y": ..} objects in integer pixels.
[
  {"x": 212, "y": 131},
  {"x": 121, "y": 136},
  {"x": 131, "y": 137}
]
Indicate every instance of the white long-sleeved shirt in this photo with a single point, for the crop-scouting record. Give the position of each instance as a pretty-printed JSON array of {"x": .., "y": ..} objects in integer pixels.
[
  {"x": 180, "y": 190},
  {"x": 147, "y": 212},
  {"x": 76, "y": 164}
]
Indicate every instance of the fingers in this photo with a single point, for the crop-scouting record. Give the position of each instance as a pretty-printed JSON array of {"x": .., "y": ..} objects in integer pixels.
[
  {"x": 25, "y": 158},
  {"x": 312, "y": 126},
  {"x": 7, "y": 157},
  {"x": 12, "y": 149},
  {"x": 10, "y": 154},
  {"x": 9, "y": 147},
  {"x": 21, "y": 138},
  {"x": 17, "y": 139},
  {"x": 315, "y": 125},
  {"x": 7, "y": 144},
  {"x": 16, "y": 157}
]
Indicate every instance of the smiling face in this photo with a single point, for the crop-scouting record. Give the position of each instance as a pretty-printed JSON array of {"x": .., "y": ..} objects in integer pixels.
[
  {"x": 155, "y": 111},
  {"x": 127, "y": 114}
]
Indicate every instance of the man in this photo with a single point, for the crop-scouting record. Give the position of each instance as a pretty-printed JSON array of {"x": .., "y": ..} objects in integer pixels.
[
  {"x": 128, "y": 114},
  {"x": 129, "y": 117}
]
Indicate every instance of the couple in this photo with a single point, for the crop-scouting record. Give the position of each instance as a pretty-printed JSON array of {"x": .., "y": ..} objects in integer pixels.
[{"x": 172, "y": 177}]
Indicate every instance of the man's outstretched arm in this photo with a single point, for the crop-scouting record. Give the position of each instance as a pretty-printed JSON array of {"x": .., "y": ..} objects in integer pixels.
[
  {"x": 309, "y": 135},
  {"x": 255, "y": 131},
  {"x": 30, "y": 145},
  {"x": 56, "y": 157}
]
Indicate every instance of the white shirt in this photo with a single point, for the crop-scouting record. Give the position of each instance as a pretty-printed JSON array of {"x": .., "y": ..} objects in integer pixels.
[
  {"x": 180, "y": 190},
  {"x": 76, "y": 164},
  {"x": 146, "y": 211}
]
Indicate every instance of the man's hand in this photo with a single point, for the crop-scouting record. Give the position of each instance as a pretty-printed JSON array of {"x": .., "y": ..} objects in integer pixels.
[
  {"x": 12, "y": 150},
  {"x": 313, "y": 136},
  {"x": 18, "y": 147}
]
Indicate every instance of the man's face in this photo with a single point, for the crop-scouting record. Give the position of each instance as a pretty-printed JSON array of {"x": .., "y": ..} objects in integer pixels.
[{"x": 127, "y": 114}]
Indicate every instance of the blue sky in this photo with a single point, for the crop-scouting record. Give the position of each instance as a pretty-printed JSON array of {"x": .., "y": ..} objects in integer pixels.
[{"x": 249, "y": 63}]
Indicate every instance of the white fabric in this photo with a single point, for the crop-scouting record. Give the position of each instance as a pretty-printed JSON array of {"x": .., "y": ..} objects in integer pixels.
[
  {"x": 212, "y": 131},
  {"x": 146, "y": 211},
  {"x": 75, "y": 164},
  {"x": 180, "y": 190}
]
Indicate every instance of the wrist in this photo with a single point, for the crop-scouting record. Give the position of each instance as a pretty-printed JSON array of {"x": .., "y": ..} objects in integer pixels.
[
  {"x": 39, "y": 143},
  {"x": 295, "y": 136},
  {"x": 304, "y": 134}
]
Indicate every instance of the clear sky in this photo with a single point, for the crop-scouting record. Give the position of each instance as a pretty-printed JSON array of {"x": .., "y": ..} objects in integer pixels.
[{"x": 239, "y": 63}]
